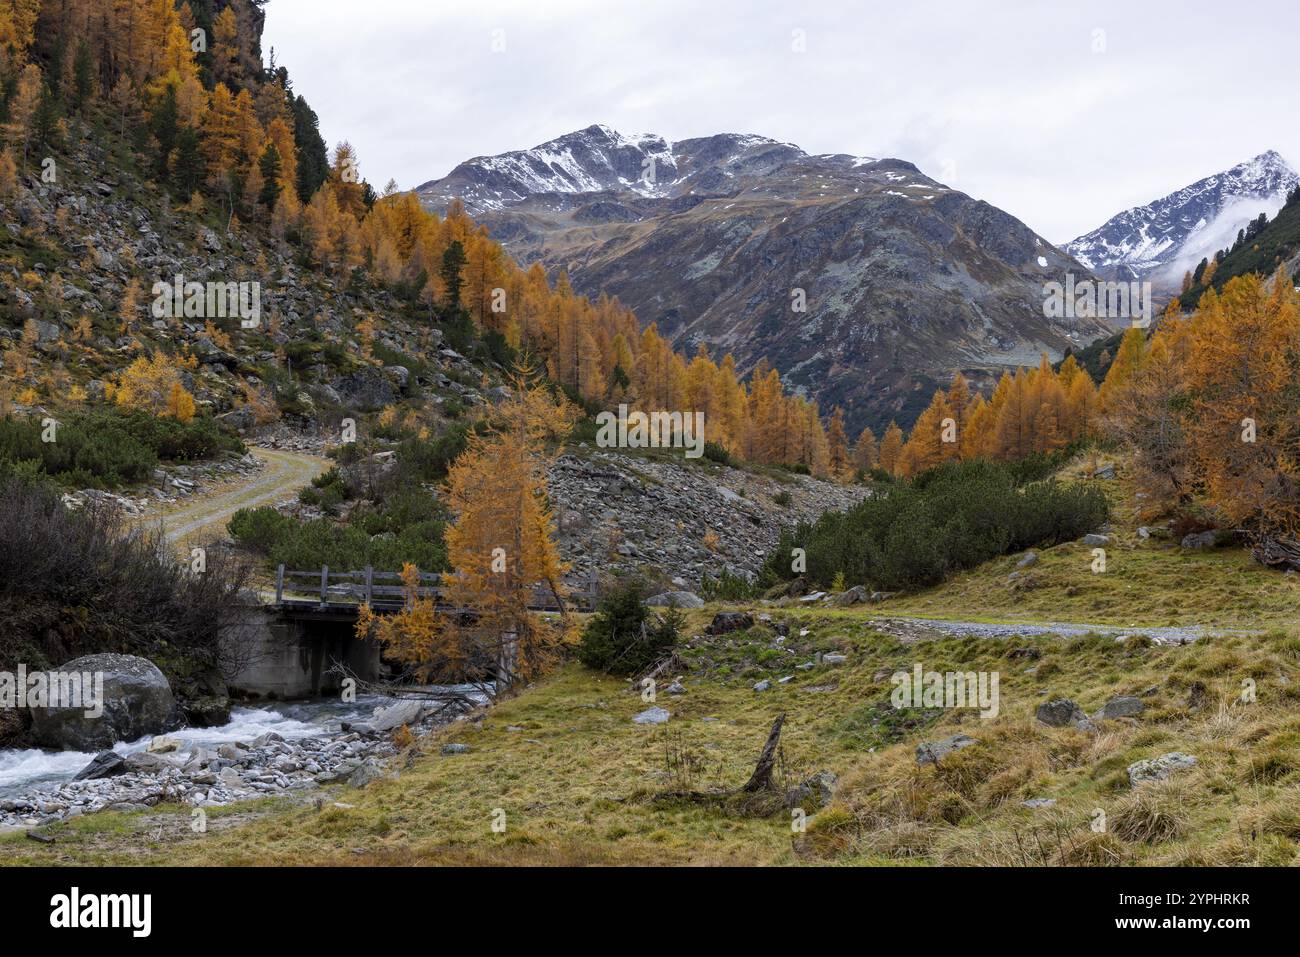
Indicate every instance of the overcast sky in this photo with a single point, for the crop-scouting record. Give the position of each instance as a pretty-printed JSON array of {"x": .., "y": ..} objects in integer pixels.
[{"x": 1060, "y": 113}]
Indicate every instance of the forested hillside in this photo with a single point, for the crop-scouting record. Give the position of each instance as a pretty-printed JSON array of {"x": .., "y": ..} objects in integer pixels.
[{"x": 146, "y": 140}]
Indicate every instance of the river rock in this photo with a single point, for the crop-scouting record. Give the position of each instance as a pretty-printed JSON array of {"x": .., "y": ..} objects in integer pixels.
[
  {"x": 137, "y": 702},
  {"x": 389, "y": 718},
  {"x": 106, "y": 764}
]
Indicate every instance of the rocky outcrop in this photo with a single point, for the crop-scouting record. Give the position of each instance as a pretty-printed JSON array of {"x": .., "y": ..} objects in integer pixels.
[{"x": 137, "y": 701}]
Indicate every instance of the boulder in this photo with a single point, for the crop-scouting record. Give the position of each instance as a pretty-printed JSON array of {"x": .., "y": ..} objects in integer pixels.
[
  {"x": 150, "y": 763},
  {"x": 1157, "y": 769},
  {"x": 652, "y": 716},
  {"x": 853, "y": 596},
  {"x": 1029, "y": 559},
  {"x": 106, "y": 764},
  {"x": 368, "y": 771},
  {"x": 399, "y": 374},
  {"x": 727, "y": 621},
  {"x": 1094, "y": 539},
  {"x": 820, "y": 788},
  {"x": 763, "y": 685},
  {"x": 675, "y": 599},
  {"x": 137, "y": 702},
  {"x": 455, "y": 748},
  {"x": 1060, "y": 713},
  {"x": 208, "y": 711},
  {"x": 1124, "y": 706},
  {"x": 932, "y": 752}
]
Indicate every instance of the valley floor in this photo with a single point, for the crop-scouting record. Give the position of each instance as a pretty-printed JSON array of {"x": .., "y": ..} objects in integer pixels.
[{"x": 561, "y": 774}]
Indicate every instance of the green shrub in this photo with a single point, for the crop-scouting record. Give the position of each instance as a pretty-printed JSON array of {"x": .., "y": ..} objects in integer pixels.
[
  {"x": 305, "y": 545},
  {"x": 910, "y": 535},
  {"x": 107, "y": 448},
  {"x": 715, "y": 452},
  {"x": 623, "y": 638}
]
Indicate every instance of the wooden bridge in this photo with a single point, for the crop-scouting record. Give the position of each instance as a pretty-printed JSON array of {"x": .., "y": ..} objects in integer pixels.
[{"x": 337, "y": 595}]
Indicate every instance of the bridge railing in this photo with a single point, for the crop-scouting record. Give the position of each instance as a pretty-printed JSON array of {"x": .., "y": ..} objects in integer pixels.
[{"x": 379, "y": 588}]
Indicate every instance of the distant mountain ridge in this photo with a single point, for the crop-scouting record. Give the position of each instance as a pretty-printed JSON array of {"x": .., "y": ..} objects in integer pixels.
[
  {"x": 718, "y": 239},
  {"x": 1165, "y": 238}
]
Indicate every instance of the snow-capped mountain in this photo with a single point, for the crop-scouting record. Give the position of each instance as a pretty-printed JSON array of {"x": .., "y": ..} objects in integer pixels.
[
  {"x": 714, "y": 239},
  {"x": 1163, "y": 239},
  {"x": 599, "y": 159}
]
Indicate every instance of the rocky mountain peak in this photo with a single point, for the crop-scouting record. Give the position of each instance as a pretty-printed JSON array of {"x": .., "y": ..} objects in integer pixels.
[{"x": 1164, "y": 238}]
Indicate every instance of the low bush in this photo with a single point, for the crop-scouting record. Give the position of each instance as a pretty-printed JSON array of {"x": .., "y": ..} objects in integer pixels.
[
  {"x": 80, "y": 582},
  {"x": 910, "y": 535},
  {"x": 623, "y": 637},
  {"x": 109, "y": 448},
  {"x": 310, "y": 544}
]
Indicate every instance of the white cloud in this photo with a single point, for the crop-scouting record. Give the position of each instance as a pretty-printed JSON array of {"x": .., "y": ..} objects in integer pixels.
[{"x": 1010, "y": 98}]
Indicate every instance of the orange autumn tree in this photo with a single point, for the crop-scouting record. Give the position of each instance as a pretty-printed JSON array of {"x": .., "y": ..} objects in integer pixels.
[
  {"x": 154, "y": 385},
  {"x": 501, "y": 545},
  {"x": 1210, "y": 407},
  {"x": 1243, "y": 365},
  {"x": 414, "y": 635},
  {"x": 502, "y": 541}
]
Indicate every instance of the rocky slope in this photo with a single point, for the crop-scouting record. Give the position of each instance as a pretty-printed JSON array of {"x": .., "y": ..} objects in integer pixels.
[
  {"x": 71, "y": 249},
  {"x": 1165, "y": 238},
  {"x": 905, "y": 279},
  {"x": 674, "y": 522}
]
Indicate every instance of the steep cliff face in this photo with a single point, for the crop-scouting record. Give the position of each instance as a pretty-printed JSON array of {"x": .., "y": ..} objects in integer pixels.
[{"x": 862, "y": 280}]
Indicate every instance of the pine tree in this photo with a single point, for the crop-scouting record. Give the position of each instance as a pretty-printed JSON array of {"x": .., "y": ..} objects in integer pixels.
[{"x": 269, "y": 167}]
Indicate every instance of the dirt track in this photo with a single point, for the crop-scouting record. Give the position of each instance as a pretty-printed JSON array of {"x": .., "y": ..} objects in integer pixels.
[{"x": 204, "y": 516}]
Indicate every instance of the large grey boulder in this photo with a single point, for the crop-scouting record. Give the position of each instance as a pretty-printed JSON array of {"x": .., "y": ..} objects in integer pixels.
[
  {"x": 854, "y": 596},
  {"x": 389, "y": 718},
  {"x": 106, "y": 764},
  {"x": 1123, "y": 706},
  {"x": 137, "y": 702},
  {"x": 652, "y": 716}
]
